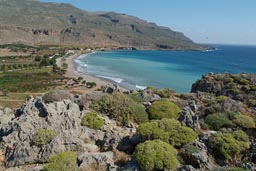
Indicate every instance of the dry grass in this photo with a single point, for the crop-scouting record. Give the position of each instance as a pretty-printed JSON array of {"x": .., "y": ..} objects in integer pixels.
[
  {"x": 7, "y": 52},
  {"x": 120, "y": 158},
  {"x": 12, "y": 104}
]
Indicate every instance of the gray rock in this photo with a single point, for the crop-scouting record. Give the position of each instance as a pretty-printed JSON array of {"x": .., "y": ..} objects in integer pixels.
[
  {"x": 149, "y": 96},
  {"x": 111, "y": 88},
  {"x": 186, "y": 168},
  {"x": 6, "y": 115},
  {"x": 189, "y": 118},
  {"x": 87, "y": 98},
  {"x": 64, "y": 118},
  {"x": 97, "y": 162},
  {"x": 249, "y": 166},
  {"x": 200, "y": 159}
]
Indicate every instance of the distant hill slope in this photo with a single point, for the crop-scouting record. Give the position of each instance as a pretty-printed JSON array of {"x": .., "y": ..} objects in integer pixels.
[{"x": 35, "y": 22}]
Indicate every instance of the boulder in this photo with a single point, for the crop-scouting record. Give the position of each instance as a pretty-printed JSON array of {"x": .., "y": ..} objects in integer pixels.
[
  {"x": 111, "y": 88},
  {"x": 189, "y": 118},
  {"x": 97, "y": 161},
  {"x": 249, "y": 166},
  {"x": 149, "y": 96},
  {"x": 86, "y": 99},
  {"x": 199, "y": 159},
  {"x": 6, "y": 115},
  {"x": 186, "y": 168}
]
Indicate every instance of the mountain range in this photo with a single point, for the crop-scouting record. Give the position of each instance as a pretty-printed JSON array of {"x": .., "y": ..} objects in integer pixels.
[{"x": 34, "y": 22}]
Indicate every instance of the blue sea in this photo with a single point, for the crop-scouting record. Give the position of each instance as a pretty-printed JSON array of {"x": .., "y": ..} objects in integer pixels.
[{"x": 177, "y": 70}]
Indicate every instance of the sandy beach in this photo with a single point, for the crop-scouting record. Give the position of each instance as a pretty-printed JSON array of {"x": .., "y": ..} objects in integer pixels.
[{"x": 72, "y": 72}]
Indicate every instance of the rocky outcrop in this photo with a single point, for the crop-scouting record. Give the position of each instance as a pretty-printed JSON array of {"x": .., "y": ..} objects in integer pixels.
[
  {"x": 199, "y": 159},
  {"x": 64, "y": 118},
  {"x": 97, "y": 161},
  {"x": 6, "y": 115},
  {"x": 189, "y": 118},
  {"x": 237, "y": 86},
  {"x": 186, "y": 168},
  {"x": 149, "y": 96},
  {"x": 111, "y": 88},
  {"x": 47, "y": 32}
]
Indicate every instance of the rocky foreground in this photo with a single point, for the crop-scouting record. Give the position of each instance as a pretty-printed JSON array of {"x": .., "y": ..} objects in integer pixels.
[{"x": 212, "y": 128}]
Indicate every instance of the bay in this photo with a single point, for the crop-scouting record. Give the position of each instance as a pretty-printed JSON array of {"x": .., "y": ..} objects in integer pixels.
[{"x": 177, "y": 70}]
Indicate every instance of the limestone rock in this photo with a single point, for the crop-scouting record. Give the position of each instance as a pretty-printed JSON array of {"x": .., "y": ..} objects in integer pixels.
[
  {"x": 200, "y": 159},
  {"x": 64, "y": 117},
  {"x": 96, "y": 162},
  {"x": 6, "y": 115},
  {"x": 186, "y": 168},
  {"x": 189, "y": 118},
  {"x": 87, "y": 98},
  {"x": 111, "y": 88},
  {"x": 149, "y": 96}
]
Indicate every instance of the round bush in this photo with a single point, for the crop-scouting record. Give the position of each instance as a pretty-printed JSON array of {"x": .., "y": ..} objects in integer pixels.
[
  {"x": 164, "y": 109},
  {"x": 236, "y": 169},
  {"x": 120, "y": 107},
  {"x": 92, "y": 120},
  {"x": 156, "y": 155},
  {"x": 65, "y": 161},
  {"x": 244, "y": 121},
  {"x": 219, "y": 120},
  {"x": 43, "y": 136},
  {"x": 228, "y": 145},
  {"x": 167, "y": 130}
]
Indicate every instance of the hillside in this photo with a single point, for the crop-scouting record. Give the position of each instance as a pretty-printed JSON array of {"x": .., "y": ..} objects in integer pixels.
[{"x": 34, "y": 22}]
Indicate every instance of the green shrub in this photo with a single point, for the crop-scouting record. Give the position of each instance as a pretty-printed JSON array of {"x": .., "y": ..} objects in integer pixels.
[
  {"x": 229, "y": 145},
  {"x": 236, "y": 169},
  {"x": 244, "y": 121},
  {"x": 141, "y": 115},
  {"x": 164, "y": 109},
  {"x": 43, "y": 136},
  {"x": 167, "y": 130},
  {"x": 253, "y": 88},
  {"x": 156, "y": 155},
  {"x": 219, "y": 120},
  {"x": 221, "y": 98},
  {"x": 65, "y": 161},
  {"x": 244, "y": 81},
  {"x": 121, "y": 108},
  {"x": 252, "y": 102},
  {"x": 189, "y": 149},
  {"x": 56, "y": 95},
  {"x": 92, "y": 120},
  {"x": 165, "y": 92},
  {"x": 90, "y": 84},
  {"x": 136, "y": 97}
]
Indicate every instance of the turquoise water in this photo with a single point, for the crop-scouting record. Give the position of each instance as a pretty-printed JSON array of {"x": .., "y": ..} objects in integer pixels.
[{"x": 174, "y": 69}]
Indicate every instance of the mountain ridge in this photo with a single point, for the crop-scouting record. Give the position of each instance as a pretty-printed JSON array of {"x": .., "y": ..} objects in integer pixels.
[{"x": 35, "y": 22}]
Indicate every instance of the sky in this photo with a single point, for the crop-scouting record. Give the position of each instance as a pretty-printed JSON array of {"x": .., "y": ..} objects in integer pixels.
[{"x": 203, "y": 21}]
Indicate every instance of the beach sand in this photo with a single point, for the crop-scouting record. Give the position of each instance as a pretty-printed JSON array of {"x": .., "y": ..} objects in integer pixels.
[{"x": 72, "y": 72}]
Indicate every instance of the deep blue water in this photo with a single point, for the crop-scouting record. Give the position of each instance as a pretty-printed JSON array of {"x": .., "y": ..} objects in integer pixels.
[{"x": 173, "y": 69}]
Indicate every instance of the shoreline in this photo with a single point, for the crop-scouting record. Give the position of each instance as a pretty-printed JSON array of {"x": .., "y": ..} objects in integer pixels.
[{"x": 73, "y": 72}]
